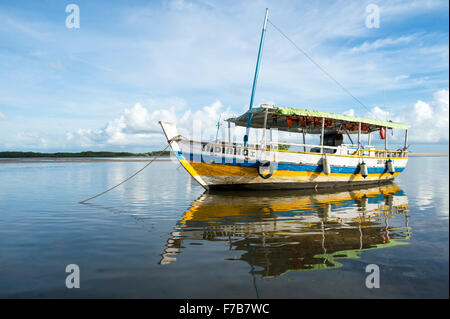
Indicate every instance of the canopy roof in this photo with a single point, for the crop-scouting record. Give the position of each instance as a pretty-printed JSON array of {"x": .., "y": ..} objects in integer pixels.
[{"x": 309, "y": 121}]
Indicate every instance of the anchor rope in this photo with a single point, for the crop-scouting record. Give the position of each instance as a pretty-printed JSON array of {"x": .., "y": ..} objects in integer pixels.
[
  {"x": 322, "y": 69},
  {"x": 127, "y": 179}
]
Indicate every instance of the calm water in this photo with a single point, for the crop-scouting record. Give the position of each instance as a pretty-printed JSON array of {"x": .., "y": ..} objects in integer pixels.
[{"x": 160, "y": 236}]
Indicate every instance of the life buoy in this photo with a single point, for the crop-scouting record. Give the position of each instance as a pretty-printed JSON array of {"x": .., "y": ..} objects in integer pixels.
[
  {"x": 263, "y": 166},
  {"x": 383, "y": 131}
]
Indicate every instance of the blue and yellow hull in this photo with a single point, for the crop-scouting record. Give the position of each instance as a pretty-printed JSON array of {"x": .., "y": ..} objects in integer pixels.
[{"x": 287, "y": 176}]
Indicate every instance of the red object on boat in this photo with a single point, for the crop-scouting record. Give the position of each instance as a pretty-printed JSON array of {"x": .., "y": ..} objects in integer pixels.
[
  {"x": 383, "y": 132},
  {"x": 288, "y": 121}
]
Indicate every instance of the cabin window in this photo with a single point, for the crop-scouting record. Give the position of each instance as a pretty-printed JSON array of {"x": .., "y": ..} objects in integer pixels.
[
  {"x": 333, "y": 139},
  {"x": 330, "y": 139}
]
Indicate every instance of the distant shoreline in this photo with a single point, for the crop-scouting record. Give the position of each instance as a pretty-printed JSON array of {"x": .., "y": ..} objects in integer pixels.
[
  {"x": 22, "y": 160},
  {"x": 428, "y": 154},
  {"x": 130, "y": 158},
  {"x": 84, "y": 154}
]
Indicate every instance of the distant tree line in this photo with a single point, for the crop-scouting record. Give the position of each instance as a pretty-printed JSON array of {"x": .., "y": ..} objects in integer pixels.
[
  {"x": 283, "y": 147},
  {"x": 79, "y": 154}
]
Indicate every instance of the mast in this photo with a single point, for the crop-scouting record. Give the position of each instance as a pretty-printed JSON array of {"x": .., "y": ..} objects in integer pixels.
[
  {"x": 249, "y": 119},
  {"x": 218, "y": 127}
]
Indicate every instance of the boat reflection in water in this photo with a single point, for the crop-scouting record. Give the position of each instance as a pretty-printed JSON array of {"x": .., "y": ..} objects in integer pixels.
[{"x": 278, "y": 232}]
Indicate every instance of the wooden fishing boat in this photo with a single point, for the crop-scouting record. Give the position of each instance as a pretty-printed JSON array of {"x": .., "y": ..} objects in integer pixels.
[{"x": 269, "y": 165}]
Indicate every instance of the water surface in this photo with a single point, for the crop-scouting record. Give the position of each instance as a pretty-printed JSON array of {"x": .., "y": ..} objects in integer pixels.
[{"x": 161, "y": 236}]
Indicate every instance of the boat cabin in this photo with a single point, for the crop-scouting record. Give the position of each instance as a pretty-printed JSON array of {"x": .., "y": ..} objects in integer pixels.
[{"x": 330, "y": 126}]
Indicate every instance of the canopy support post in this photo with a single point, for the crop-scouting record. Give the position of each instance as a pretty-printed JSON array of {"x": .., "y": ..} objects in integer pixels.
[
  {"x": 359, "y": 136},
  {"x": 368, "y": 138},
  {"x": 321, "y": 136},
  {"x": 349, "y": 137},
  {"x": 249, "y": 119},
  {"x": 406, "y": 140},
  {"x": 229, "y": 132},
  {"x": 264, "y": 129},
  {"x": 386, "y": 139},
  {"x": 270, "y": 138},
  {"x": 304, "y": 140}
]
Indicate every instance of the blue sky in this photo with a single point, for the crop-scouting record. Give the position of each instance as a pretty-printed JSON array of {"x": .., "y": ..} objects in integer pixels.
[{"x": 132, "y": 63}]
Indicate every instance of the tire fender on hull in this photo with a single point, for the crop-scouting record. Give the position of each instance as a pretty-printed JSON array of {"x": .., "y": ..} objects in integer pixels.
[{"x": 263, "y": 166}]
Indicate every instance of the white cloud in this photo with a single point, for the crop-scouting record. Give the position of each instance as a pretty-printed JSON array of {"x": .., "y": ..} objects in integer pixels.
[
  {"x": 180, "y": 5},
  {"x": 428, "y": 120},
  {"x": 27, "y": 140},
  {"x": 381, "y": 43},
  {"x": 350, "y": 112},
  {"x": 394, "y": 9},
  {"x": 423, "y": 111},
  {"x": 181, "y": 59},
  {"x": 138, "y": 126},
  {"x": 57, "y": 65},
  {"x": 380, "y": 114},
  {"x": 25, "y": 27},
  {"x": 204, "y": 50},
  {"x": 2, "y": 117},
  {"x": 401, "y": 77}
]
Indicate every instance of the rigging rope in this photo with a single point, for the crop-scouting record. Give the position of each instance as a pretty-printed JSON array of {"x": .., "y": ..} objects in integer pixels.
[
  {"x": 322, "y": 69},
  {"x": 109, "y": 189}
]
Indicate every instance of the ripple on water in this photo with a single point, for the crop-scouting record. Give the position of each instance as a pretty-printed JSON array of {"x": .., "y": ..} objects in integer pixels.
[{"x": 158, "y": 235}]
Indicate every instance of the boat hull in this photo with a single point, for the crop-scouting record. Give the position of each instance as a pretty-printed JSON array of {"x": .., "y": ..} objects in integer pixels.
[
  {"x": 227, "y": 166},
  {"x": 295, "y": 185},
  {"x": 246, "y": 176}
]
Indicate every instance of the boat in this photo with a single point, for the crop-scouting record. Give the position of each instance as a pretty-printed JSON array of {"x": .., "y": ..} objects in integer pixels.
[
  {"x": 272, "y": 164},
  {"x": 276, "y": 232}
]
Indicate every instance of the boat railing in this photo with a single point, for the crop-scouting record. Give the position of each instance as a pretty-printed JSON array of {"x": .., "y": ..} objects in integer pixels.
[
  {"x": 303, "y": 145},
  {"x": 352, "y": 150},
  {"x": 379, "y": 153},
  {"x": 269, "y": 145}
]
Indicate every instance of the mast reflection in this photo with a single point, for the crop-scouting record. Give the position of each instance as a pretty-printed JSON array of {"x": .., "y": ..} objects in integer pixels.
[{"x": 278, "y": 232}]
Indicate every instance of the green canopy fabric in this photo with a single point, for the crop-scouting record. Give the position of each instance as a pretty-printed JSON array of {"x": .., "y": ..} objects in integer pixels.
[
  {"x": 281, "y": 118},
  {"x": 304, "y": 112}
]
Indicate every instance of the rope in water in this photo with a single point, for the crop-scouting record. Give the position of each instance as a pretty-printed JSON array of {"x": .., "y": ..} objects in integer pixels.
[{"x": 109, "y": 189}]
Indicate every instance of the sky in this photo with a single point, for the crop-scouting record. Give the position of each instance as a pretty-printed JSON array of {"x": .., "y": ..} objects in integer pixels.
[{"x": 130, "y": 64}]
